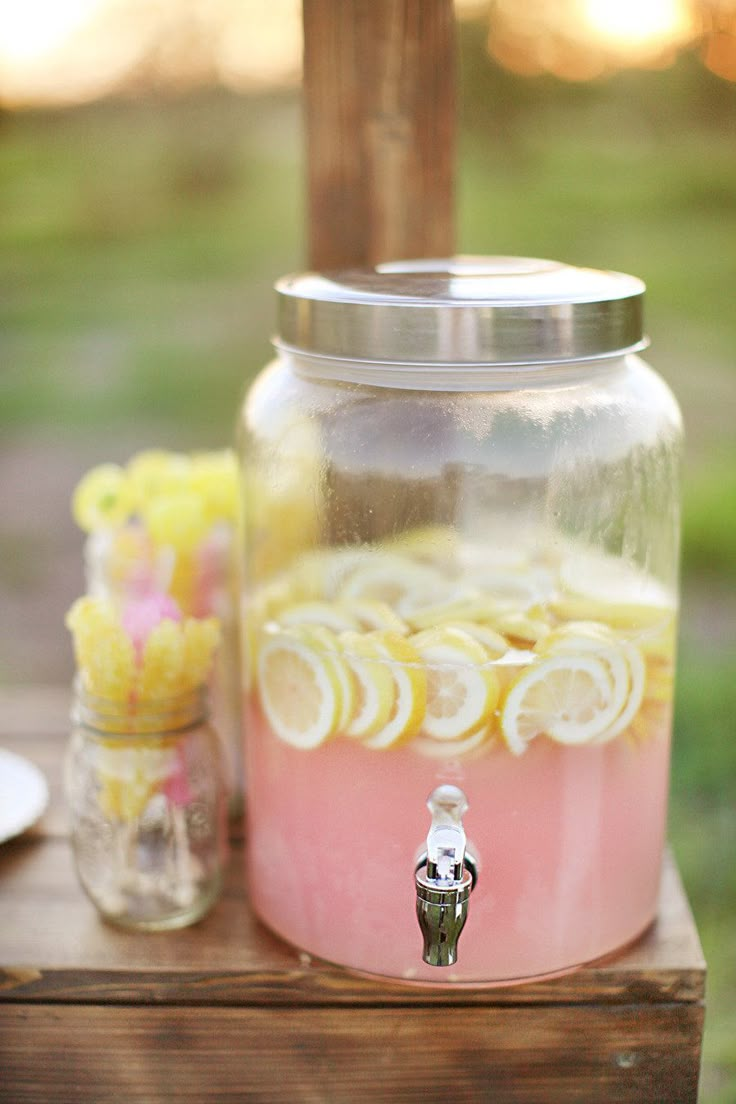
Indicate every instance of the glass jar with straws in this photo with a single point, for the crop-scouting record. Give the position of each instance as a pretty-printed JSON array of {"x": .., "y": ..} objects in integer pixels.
[{"x": 144, "y": 774}]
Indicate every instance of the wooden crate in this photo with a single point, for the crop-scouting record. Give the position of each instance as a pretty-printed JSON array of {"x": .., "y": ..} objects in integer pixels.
[{"x": 224, "y": 1011}]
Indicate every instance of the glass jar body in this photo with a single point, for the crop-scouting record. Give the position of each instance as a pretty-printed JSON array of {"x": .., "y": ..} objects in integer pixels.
[
  {"x": 147, "y": 800},
  {"x": 534, "y": 511}
]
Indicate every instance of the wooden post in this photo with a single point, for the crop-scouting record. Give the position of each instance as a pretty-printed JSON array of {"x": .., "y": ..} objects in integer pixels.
[{"x": 379, "y": 90}]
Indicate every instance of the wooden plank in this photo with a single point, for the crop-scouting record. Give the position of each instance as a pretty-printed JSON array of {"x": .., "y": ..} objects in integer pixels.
[
  {"x": 646, "y": 1054},
  {"x": 53, "y": 947},
  {"x": 380, "y": 121}
]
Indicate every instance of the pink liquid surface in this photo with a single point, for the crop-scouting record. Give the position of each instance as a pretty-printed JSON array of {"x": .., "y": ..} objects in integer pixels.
[{"x": 568, "y": 843}]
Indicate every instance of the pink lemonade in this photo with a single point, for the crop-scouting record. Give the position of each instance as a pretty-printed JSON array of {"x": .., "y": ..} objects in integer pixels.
[
  {"x": 374, "y": 681},
  {"x": 568, "y": 843}
]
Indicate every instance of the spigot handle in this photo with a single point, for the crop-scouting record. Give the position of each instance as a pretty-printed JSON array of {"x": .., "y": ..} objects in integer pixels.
[{"x": 446, "y": 837}]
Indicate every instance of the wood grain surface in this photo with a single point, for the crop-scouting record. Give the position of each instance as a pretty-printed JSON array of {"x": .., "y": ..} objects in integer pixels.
[
  {"x": 634, "y": 1054},
  {"x": 379, "y": 95}
]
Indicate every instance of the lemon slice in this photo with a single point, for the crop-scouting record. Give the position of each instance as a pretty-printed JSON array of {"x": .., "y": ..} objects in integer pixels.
[
  {"x": 576, "y": 634},
  {"x": 389, "y": 578},
  {"x": 521, "y": 626},
  {"x": 454, "y": 749},
  {"x": 375, "y": 689},
  {"x": 569, "y": 698},
  {"x": 424, "y": 609},
  {"x": 299, "y": 689},
  {"x": 410, "y": 682},
  {"x": 324, "y": 639},
  {"x": 623, "y": 661},
  {"x": 318, "y": 613},
  {"x": 637, "y": 682},
  {"x": 374, "y": 615},
  {"x": 341, "y": 563},
  {"x": 462, "y": 689},
  {"x": 513, "y": 591},
  {"x": 598, "y": 587},
  {"x": 321, "y": 572},
  {"x": 494, "y": 644}
]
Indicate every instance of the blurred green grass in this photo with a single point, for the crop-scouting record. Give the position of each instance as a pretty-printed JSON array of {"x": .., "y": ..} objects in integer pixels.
[{"x": 139, "y": 241}]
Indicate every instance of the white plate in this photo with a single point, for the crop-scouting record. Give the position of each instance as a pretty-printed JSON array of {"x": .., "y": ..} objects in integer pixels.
[{"x": 24, "y": 794}]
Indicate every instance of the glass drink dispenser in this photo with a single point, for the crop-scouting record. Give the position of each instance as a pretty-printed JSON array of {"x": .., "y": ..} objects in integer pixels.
[{"x": 459, "y": 598}]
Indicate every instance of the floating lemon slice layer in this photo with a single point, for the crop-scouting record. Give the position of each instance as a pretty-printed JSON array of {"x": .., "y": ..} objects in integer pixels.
[
  {"x": 569, "y": 698},
  {"x": 299, "y": 689},
  {"x": 462, "y": 689}
]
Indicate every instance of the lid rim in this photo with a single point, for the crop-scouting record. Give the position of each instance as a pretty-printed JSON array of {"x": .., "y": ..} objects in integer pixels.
[
  {"x": 379, "y": 315},
  {"x": 612, "y": 354}
]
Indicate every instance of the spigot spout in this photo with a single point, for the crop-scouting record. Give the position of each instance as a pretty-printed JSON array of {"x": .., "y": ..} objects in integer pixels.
[
  {"x": 444, "y": 878},
  {"x": 441, "y": 914}
]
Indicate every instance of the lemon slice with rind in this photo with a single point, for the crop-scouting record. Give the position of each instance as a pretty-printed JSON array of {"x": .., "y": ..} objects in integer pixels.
[
  {"x": 454, "y": 749},
  {"x": 637, "y": 677},
  {"x": 523, "y": 627},
  {"x": 389, "y": 578},
  {"x": 599, "y": 587},
  {"x": 318, "y": 613},
  {"x": 623, "y": 661},
  {"x": 410, "y": 682},
  {"x": 512, "y": 591},
  {"x": 323, "y": 639},
  {"x": 299, "y": 689},
  {"x": 462, "y": 687},
  {"x": 373, "y": 615},
  {"x": 569, "y": 698},
  {"x": 494, "y": 644},
  {"x": 425, "y": 609},
  {"x": 375, "y": 688}
]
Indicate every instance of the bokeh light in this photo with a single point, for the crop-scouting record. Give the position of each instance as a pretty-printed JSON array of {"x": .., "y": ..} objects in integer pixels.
[
  {"x": 633, "y": 24},
  {"x": 70, "y": 51}
]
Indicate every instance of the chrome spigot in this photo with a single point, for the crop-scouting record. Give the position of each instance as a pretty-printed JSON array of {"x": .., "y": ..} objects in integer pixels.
[{"x": 444, "y": 877}]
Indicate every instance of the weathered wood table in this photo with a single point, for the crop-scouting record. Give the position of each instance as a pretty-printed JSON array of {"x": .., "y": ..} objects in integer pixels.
[{"x": 224, "y": 1011}]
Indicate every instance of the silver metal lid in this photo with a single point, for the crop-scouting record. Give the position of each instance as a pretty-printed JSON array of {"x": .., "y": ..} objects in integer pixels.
[{"x": 462, "y": 310}]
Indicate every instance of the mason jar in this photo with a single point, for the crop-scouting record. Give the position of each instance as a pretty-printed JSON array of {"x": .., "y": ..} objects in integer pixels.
[
  {"x": 147, "y": 799},
  {"x": 459, "y": 605}
]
